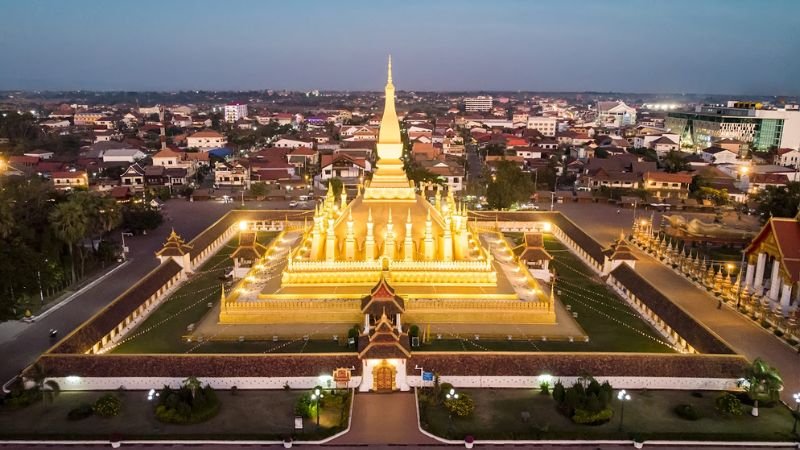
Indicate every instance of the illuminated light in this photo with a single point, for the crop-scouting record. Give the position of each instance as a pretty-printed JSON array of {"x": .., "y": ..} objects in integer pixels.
[
  {"x": 73, "y": 379},
  {"x": 545, "y": 378},
  {"x": 547, "y": 227},
  {"x": 243, "y": 225},
  {"x": 642, "y": 222}
]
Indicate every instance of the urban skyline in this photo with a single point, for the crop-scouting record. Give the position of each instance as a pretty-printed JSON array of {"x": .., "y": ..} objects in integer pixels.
[{"x": 677, "y": 47}]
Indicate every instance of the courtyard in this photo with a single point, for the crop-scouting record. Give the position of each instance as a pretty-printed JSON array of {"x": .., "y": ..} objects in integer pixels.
[
  {"x": 502, "y": 414},
  {"x": 244, "y": 414}
]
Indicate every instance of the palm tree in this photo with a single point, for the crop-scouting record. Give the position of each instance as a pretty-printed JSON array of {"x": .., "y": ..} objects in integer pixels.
[
  {"x": 48, "y": 388},
  {"x": 761, "y": 381},
  {"x": 193, "y": 384},
  {"x": 70, "y": 224}
]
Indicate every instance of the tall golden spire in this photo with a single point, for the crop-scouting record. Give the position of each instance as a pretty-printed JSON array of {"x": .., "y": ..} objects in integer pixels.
[{"x": 390, "y": 126}]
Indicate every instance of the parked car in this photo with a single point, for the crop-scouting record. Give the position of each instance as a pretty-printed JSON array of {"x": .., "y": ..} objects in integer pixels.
[{"x": 292, "y": 204}]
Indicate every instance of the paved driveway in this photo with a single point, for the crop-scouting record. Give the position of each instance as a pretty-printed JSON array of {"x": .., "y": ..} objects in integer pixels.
[{"x": 384, "y": 419}]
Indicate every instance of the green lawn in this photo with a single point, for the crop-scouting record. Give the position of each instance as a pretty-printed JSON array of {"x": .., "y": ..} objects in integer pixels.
[
  {"x": 248, "y": 414},
  {"x": 162, "y": 332},
  {"x": 611, "y": 324},
  {"x": 498, "y": 415}
]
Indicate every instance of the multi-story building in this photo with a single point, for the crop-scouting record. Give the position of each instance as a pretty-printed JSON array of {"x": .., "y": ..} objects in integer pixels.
[
  {"x": 206, "y": 140},
  {"x": 615, "y": 114},
  {"x": 759, "y": 129},
  {"x": 544, "y": 125},
  {"x": 235, "y": 111},
  {"x": 479, "y": 103}
]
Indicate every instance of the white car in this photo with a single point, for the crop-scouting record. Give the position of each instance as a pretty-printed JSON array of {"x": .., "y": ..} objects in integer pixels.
[
  {"x": 529, "y": 207},
  {"x": 292, "y": 204}
]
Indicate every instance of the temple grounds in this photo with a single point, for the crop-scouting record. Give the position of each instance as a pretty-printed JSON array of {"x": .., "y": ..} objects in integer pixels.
[
  {"x": 247, "y": 414},
  {"x": 499, "y": 415},
  {"x": 610, "y": 324}
]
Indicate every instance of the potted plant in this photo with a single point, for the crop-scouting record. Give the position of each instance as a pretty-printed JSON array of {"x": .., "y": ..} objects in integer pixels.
[
  {"x": 638, "y": 440},
  {"x": 287, "y": 442},
  {"x": 469, "y": 441},
  {"x": 115, "y": 440}
]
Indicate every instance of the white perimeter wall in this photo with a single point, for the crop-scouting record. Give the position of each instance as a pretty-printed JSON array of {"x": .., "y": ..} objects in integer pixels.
[{"x": 146, "y": 383}]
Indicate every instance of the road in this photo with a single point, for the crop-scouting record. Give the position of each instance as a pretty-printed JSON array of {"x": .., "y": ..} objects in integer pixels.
[
  {"x": 21, "y": 343},
  {"x": 474, "y": 163}
]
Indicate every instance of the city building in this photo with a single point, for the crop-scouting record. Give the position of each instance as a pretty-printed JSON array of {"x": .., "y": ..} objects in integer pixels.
[
  {"x": 235, "y": 111},
  {"x": 206, "y": 140},
  {"x": 480, "y": 103},
  {"x": 70, "y": 180},
  {"x": 786, "y": 157},
  {"x": 758, "y": 129},
  {"x": 615, "y": 114},
  {"x": 544, "y": 125}
]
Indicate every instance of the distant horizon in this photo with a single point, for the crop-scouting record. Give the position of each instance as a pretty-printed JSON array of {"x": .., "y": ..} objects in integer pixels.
[{"x": 715, "y": 47}]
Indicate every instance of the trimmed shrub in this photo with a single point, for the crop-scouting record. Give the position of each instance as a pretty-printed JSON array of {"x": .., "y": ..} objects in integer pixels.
[
  {"x": 181, "y": 407},
  {"x": 109, "y": 405},
  {"x": 728, "y": 404},
  {"x": 463, "y": 406},
  {"x": 544, "y": 388},
  {"x": 303, "y": 405},
  {"x": 413, "y": 331},
  {"x": 687, "y": 412},
  {"x": 559, "y": 392},
  {"x": 80, "y": 412},
  {"x": 585, "y": 417}
]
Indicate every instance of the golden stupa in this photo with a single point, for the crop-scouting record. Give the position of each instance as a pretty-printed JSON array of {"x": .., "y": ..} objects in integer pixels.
[{"x": 427, "y": 252}]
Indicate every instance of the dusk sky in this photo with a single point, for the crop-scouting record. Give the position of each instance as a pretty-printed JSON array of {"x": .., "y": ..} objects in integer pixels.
[{"x": 697, "y": 46}]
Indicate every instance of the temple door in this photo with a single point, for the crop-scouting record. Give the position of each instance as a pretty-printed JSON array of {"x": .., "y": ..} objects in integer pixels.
[{"x": 384, "y": 378}]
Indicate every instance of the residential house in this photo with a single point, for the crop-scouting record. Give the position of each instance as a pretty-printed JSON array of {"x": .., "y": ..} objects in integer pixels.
[
  {"x": 293, "y": 143},
  {"x": 155, "y": 176},
  {"x": 40, "y": 154},
  {"x": 124, "y": 155},
  {"x": 233, "y": 174},
  {"x": 303, "y": 158},
  {"x": 786, "y": 157},
  {"x": 206, "y": 140},
  {"x": 667, "y": 185},
  {"x": 719, "y": 155},
  {"x": 449, "y": 171},
  {"x": 615, "y": 114},
  {"x": 70, "y": 180},
  {"x": 424, "y": 151},
  {"x": 341, "y": 165},
  {"x": 133, "y": 177},
  {"x": 757, "y": 182},
  {"x": 663, "y": 145}
]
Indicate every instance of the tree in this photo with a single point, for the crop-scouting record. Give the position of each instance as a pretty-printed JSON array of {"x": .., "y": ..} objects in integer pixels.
[
  {"x": 70, "y": 224},
  {"x": 778, "y": 201},
  {"x": 674, "y": 162},
  {"x": 508, "y": 186},
  {"x": 336, "y": 185},
  {"x": 762, "y": 382},
  {"x": 495, "y": 149},
  {"x": 48, "y": 388},
  {"x": 193, "y": 384},
  {"x": 259, "y": 189}
]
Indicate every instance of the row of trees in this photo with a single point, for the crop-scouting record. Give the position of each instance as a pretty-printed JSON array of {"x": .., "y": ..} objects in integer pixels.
[{"x": 50, "y": 238}]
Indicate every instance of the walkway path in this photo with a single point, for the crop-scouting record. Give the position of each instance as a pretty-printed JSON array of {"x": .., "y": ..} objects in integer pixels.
[{"x": 384, "y": 419}]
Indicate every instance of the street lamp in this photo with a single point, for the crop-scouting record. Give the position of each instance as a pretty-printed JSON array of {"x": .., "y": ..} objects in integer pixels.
[
  {"x": 452, "y": 395},
  {"x": 316, "y": 396},
  {"x": 796, "y": 412},
  {"x": 623, "y": 397}
]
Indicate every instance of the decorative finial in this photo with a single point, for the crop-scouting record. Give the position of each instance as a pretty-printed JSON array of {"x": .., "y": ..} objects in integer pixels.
[
  {"x": 389, "y": 79},
  {"x": 408, "y": 219},
  {"x": 390, "y": 215},
  {"x": 369, "y": 215}
]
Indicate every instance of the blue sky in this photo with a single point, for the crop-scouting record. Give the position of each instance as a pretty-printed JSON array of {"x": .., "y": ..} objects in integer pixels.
[{"x": 708, "y": 46}]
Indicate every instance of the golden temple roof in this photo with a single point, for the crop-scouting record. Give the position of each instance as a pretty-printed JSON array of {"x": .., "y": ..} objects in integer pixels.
[{"x": 174, "y": 246}]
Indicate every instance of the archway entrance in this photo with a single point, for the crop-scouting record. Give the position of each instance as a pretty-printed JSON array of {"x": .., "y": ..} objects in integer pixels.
[{"x": 383, "y": 377}]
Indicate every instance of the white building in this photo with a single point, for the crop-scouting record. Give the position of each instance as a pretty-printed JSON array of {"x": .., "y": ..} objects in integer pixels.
[
  {"x": 206, "y": 140},
  {"x": 128, "y": 155},
  {"x": 615, "y": 114},
  {"x": 235, "y": 111},
  {"x": 786, "y": 157},
  {"x": 544, "y": 125},
  {"x": 479, "y": 103}
]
